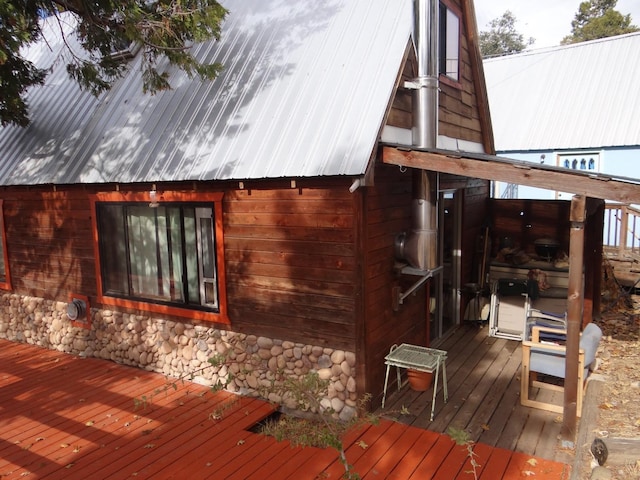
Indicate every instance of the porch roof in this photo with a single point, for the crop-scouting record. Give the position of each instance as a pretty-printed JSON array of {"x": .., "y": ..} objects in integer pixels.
[{"x": 492, "y": 167}]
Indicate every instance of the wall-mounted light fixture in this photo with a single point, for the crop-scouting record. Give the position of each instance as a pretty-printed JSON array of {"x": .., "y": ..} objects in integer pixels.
[{"x": 153, "y": 197}]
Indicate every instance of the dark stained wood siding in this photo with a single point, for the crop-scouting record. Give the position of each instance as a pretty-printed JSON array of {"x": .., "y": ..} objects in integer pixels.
[
  {"x": 49, "y": 242},
  {"x": 400, "y": 113},
  {"x": 388, "y": 213},
  {"x": 290, "y": 254},
  {"x": 525, "y": 221},
  {"x": 291, "y": 262},
  {"x": 459, "y": 114}
]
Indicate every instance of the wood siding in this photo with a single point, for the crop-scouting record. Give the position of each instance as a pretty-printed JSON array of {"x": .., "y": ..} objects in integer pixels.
[
  {"x": 388, "y": 213},
  {"x": 291, "y": 262},
  {"x": 400, "y": 113},
  {"x": 459, "y": 116},
  {"x": 459, "y": 112},
  {"x": 289, "y": 254},
  {"x": 49, "y": 242},
  {"x": 525, "y": 221}
]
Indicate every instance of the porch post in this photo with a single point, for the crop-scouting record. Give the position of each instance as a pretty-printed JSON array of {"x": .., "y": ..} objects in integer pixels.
[{"x": 574, "y": 317}]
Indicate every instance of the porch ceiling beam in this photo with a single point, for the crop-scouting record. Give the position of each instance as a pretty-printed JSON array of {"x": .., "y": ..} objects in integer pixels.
[{"x": 489, "y": 167}]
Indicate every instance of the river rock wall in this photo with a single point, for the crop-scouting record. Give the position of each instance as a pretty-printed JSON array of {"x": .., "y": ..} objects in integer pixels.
[{"x": 252, "y": 365}]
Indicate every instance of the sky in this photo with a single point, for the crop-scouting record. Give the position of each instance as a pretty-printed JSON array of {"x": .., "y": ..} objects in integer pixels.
[{"x": 548, "y": 21}]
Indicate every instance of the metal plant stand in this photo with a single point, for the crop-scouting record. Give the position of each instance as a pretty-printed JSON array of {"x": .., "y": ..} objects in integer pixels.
[{"x": 418, "y": 358}]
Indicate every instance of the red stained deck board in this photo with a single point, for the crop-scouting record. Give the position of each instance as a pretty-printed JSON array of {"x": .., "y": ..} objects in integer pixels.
[
  {"x": 86, "y": 450},
  {"x": 496, "y": 465},
  {"x": 430, "y": 464},
  {"x": 199, "y": 432},
  {"x": 452, "y": 464},
  {"x": 357, "y": 448},
  {"x": 384, "y": 444},
  {"x": 46, "y": 398},
  {"x": 390, "y": 459},
  {"x": 272, "y": 449},
  {"x": 482, "y": 452},
  {"x": 316, "y": 464},
  {"x": 271, "y": 468},
  {"x": 326, "y": 462},
  {"x": 300, "y": 463},
  {"x": 532, "y": 467},
  {"x": 227, "y": 461},
  {"x": 235, "y": 447},
  {"x": 415, "y": 454},
  {"x": 69, "y": 418}
]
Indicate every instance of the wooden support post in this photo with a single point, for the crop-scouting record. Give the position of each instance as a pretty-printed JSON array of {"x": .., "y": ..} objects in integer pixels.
[
  {"x": 574, "y": 318},
  {"x": 624, "y": 226},
  {"x": 593, "y": 254}
]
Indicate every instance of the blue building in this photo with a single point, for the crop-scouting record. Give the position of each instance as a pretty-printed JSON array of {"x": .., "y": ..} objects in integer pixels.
[{"x": 574, "y": 106}]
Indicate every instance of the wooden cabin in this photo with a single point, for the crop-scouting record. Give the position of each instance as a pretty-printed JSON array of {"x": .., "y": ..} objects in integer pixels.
[
  {"x": 252, "y": 214},
  {"x": 257, "y": 216}
]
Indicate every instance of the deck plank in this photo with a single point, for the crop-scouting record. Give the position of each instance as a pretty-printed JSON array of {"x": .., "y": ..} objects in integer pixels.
[
  {"x": 385, "y": 443},
  {"x": 75, "y": 418},
  {"x": 421, "y": 448},
  {"x": 496, "y": 464},
  {"x": 463, "y": 383},
  {"x": 430, "y": 463},
  {"x": 389, "y": 460},
  {"x": 355, "y": 447},
  {"x": 477, "y": 392},
  {"x": 490, "y": 412},
  {"x": 269, "y": 448}
]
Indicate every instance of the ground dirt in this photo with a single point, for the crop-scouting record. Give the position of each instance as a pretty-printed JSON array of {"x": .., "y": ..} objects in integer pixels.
[{"x": 618, "y": 401}]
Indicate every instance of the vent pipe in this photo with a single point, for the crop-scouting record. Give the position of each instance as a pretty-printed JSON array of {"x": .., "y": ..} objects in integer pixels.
[
  {"x": 418, "y": 247},
  {"x": 425, "y": 95}
]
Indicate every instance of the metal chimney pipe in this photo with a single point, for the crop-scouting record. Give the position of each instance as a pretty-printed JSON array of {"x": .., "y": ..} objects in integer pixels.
[
  {"x": 418, "y": 247},
  {"x": 425, "y": 95}
]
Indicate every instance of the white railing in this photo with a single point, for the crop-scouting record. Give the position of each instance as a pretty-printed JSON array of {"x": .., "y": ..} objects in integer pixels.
[{"x": 622, "y": 228}]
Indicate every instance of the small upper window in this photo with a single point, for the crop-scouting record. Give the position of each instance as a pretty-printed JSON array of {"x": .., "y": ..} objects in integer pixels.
[
  {"x": 5, "y": 276},
  {"x": 449, "y": 43},
  {"x": 578, "y": 161},
  {"x": 163, "y": 253}
]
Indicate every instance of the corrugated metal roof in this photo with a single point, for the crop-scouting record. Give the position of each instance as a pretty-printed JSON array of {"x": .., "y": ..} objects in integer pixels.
[
  {"x": 304, "y": 92},
  {"x": 584, "y": 95}
]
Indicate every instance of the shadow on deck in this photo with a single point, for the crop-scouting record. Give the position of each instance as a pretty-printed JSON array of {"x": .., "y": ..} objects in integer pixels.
[{"x": 66, "y": 417}]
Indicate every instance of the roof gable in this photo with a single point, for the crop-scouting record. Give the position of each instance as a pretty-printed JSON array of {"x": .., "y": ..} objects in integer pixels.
[{"x": 304, "y": 92}]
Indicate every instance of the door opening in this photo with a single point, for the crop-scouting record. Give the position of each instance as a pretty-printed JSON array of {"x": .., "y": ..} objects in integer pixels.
[{"x": 444, "y": 305}]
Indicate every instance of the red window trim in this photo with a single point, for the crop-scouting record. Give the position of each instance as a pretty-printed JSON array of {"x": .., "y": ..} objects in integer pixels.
[
  {"x": 6, "y": 285},
  {"x": 177, "y": 197}
]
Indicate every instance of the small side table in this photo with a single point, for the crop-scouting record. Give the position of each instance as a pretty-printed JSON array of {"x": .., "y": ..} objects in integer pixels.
[{"x": 418, "y": 358}]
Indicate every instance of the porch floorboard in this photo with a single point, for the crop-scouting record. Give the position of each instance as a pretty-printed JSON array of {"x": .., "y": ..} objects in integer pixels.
[{"x": 483, "y": 375}]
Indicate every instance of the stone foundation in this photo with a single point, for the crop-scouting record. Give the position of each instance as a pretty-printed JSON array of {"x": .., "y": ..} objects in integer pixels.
[{"x": 253, "y": 365}]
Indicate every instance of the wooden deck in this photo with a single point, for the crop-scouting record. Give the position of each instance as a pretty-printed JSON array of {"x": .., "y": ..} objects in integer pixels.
[
  {"x": 65, "y": 417},
  {"x": 484, "y": 398}
]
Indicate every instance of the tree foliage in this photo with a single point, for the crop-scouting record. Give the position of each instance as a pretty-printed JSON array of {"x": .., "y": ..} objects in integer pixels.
[
  {"x": 502, "y": 37},
  {"x": 162, "y": 29},
  {"x": 598, "y": 19}
]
